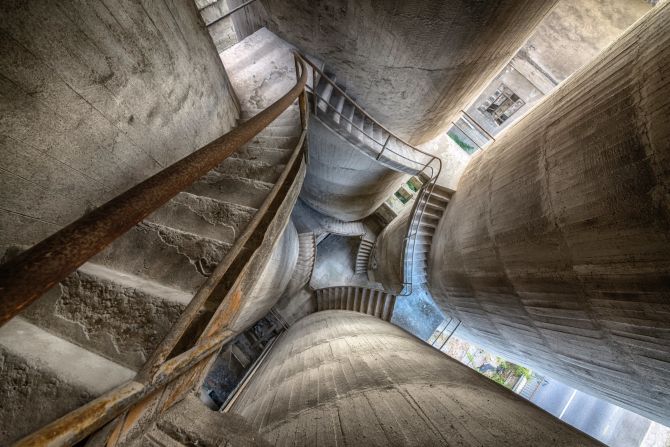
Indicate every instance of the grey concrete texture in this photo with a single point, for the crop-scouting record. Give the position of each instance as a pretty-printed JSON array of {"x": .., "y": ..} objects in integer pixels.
[
  {"x": 119, "y": 316},
  {"x": 576, "y": 31},
  {"x": 454, "y": 159},
  {"x": 273, "y": 280},
  {"x": 335, "y": 264},
  {"x": 412, "y": 65},
  {"x": 387, "y": 254},
  {"x": 191, "y": 423},
  {"x": 346, "y": 378},
  {"x": 571, "y": 35},
  {"x": 342, "y": 181},
  {"x": 96, "y": 98},
  {"x": 44, "y": 377},
  {"x": 555, "y": 247}
]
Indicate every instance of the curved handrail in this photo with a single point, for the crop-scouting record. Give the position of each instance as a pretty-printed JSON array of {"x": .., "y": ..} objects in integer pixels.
[
  {"x": 26, "y": 277},
  {"x": 160, "y": 371},
  {"x": 421, "y": 202}
]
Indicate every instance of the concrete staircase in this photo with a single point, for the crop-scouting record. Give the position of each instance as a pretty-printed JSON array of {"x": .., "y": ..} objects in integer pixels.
[
  {"x": 97, "y": 327},
  {"x": 305, "y": 264},
  {"x": 339, "y": 112},
  {"x": 420, "y": 233},
  {"x": 374, "y": 302},
  {"x": 363, "y": 255}
]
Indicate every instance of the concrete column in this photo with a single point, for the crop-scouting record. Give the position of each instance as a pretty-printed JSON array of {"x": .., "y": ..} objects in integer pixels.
[
  {"x": 348, "y": 379},
  {"x": 556, "y": 246}
]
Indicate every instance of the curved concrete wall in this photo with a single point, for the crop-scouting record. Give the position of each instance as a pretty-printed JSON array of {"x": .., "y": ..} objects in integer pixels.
[
  {"x": 556, "y": 245},
  {"x": 388, "y": 252},
  {"x": 271, "y": 282},
  {"x": 412, "y": 64},
  {"x": 345, "y": 378},
  {"x": 343, "y": 182},
  {"x": 96, "y": 98}
]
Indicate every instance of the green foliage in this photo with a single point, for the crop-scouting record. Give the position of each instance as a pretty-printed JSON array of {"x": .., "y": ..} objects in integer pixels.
[
  {"x": 465, "y": 146},
  {"x": 400, "y": 197},
  {"x": 471, "y": 358},
  {"x": 411, "y": 186},
  {"x": 516, "y": 370}
]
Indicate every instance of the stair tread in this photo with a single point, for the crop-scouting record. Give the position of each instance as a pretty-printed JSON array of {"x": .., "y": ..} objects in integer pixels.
[
  {"x": 205, "y": 216},
  {"x": 175, "y": 258},
  {"x": 69, "y": 362},
  {"x": 251, "y": 169},
  {"x": 229, "y": 188}
]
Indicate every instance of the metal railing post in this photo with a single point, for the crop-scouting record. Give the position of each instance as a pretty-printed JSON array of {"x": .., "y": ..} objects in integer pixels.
[
  {"x": 384, "y": 147},
  {"x": 314, "y": 95}
]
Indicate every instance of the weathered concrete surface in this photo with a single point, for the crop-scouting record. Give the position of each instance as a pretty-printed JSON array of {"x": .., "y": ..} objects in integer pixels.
[
  {"x": 345, "y": 378},
  {"x": 555, "y": 247},
  {"x": 412, "y": 64},
  {"x": 571, "y": 35},
  {"x": 335, "y": 264},
  {"x": 343, "y": 182},
  {"x": 273, "y": 279},
  {"x": 454, "y": 159},
  {"x": 191, "y": 423},
  {"x": 120, "y": 316},
  {"x": 44, "y": 377},
  {"x": 96, "y": 98},
  {"x": 387, "y": 265}
]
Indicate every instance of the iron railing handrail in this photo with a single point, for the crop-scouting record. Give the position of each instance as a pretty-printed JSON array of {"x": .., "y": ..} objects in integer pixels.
[
  {"x": 355, "y": 104},
  {"x": 159, "y": 371},
  {"x": 407, "y": 261},
  {"x": 25, "y": 278}
]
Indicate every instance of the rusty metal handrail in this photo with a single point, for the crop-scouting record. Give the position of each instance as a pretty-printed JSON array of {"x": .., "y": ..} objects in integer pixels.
[
  {"x": 32, "y": 273},
  {"x": 81, "y": 422},
  {"x": 158, "y": 370}
]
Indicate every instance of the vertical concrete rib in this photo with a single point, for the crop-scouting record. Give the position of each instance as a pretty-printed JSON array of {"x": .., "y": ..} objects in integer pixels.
[{"x": 556, "y": 246}]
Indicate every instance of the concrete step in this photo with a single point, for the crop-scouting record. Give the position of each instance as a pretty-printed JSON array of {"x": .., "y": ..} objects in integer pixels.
[
  {"x": 155, "y": 252},
  {"x": 427, "y": 225},
  {"x": 204, "y": 216},
  {"x": 430, "y": 216},
  {"x": 250, "y": 169},
  {"x": 282, "y": 130},
  {"x": 266, "y": 155},
  {"x": 389, "y": 305},
  {"x": 324, "y": 90},
  {"x": 231, "y": 188},
  {"x": 119, "y": 316},
  {"x": 275, "y": 142},
  {"x": 440, "y": 197},
  {"x": 348, "y": 113},
  {"x": 45, "y": 377},
  {"x": 337, "y": 101}
]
